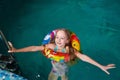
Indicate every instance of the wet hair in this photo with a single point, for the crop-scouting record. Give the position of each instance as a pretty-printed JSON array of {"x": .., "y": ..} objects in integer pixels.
[{"x": 73, "y": 58}]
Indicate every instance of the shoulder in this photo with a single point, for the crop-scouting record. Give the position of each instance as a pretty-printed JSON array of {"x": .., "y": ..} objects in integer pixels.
[{"x": 50, "y": 45}]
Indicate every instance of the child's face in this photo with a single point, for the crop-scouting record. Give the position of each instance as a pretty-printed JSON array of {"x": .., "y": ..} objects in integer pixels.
[{"x": 61, "y": 39}]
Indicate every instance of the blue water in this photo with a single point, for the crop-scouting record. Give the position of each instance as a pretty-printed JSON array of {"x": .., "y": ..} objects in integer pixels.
[{"x": 96, "y": 23}]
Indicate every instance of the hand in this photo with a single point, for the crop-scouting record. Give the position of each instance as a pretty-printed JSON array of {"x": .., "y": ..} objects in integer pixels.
[
  {"x": 12, "y": 48},
  {"x": 109, "y": 66}
]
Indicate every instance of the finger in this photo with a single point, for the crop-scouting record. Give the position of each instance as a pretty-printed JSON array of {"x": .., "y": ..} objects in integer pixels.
[
  {"x": 107, "y": 72},
  {"x": 10, "y": 43},
  {"x": 111, "y": 65},
  {"x": 9, "y": 51}
]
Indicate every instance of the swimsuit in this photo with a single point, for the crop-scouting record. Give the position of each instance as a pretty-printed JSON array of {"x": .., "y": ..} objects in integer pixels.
[{"x": 59, "y": 68}]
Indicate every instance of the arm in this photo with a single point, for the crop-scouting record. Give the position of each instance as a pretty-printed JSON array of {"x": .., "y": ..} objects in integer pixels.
[
  {"x": 26, "y": 49},
  {"x": 91, "y": 61}
]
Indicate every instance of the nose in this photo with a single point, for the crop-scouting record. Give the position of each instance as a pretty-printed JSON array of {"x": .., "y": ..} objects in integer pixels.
[{"x": 59, "y": 39}]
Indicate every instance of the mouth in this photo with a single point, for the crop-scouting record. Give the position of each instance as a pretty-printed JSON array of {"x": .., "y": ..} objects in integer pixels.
[{"x": 58, "y": 43}]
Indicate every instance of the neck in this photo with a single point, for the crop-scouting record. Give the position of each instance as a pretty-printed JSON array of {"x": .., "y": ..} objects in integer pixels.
[{"x": 60, "y": 48}]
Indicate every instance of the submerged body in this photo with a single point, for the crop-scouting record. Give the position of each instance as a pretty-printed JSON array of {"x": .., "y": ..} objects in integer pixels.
[{"x": 58, "y": 68}]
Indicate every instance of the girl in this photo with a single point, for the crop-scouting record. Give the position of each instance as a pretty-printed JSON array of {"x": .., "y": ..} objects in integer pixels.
[{"x": 61, "y": 43}]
